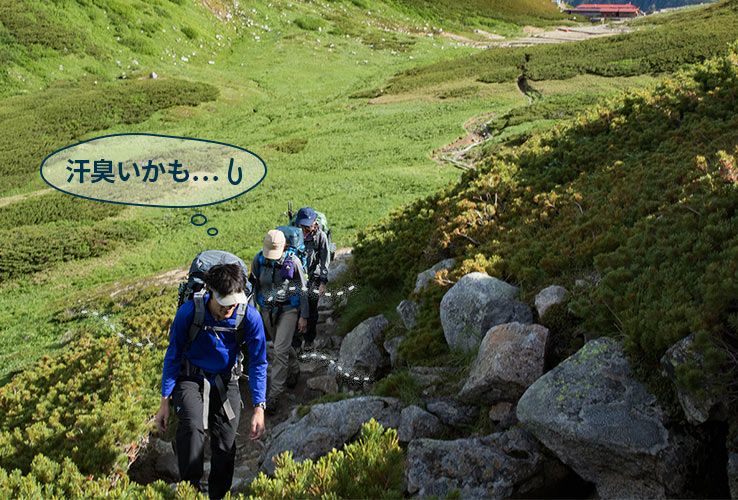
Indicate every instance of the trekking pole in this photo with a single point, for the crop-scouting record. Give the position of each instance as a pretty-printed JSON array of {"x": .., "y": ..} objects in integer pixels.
[{"x": 289, "y": 210}]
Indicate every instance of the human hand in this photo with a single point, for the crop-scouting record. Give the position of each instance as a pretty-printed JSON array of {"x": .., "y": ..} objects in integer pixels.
[
  {"x": 302, "y": 325},
  {"x": 162, "y": 416},
  {"x": 257, "y": 423},
  {"x": 321, "y": 290}
]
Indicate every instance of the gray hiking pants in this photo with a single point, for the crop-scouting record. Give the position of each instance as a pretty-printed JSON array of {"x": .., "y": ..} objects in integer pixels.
[
  {"x": 284, "y": 357},
  {"x": 187, "y": 400}
]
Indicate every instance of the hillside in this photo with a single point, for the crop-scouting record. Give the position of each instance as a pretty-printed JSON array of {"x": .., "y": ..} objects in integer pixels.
[
  {"x": 345, "y": 102},
  {"x": 632, "y": 205}
]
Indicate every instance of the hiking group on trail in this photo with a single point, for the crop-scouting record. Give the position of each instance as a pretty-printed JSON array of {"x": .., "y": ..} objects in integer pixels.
[{"x": 217, "y": 317}]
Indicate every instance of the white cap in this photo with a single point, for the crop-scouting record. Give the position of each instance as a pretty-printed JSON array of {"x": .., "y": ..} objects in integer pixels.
[{"x": 230, "y": 299}]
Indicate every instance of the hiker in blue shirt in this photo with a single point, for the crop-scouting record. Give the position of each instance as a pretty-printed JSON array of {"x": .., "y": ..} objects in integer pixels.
[{"x": 210, "y": 360}]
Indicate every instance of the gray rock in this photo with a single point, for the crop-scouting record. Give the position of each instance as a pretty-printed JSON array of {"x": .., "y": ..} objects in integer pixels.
[
  {"x": 362, "y": 351},
  {"x": 336, "y": 341},
  {"x": 415, "y": 423},
  {"x": 329, "y": 426},
  {"x": 452, "y": 412},
  {"x": 511, "y": 357},
  {"x": 325, "y": 303},
  {"x": 549, "y": 297},
  {"x": 408, "y": 311},
  {"x": 501, "y": 465},
  {"x": 324, "y": 383},
  {"x": 606, "y": 426},
  {"x": 427, "y": 276},
  {"x": 464, "y": 306},
  {"x": 324, "y": 315},
  {"x": 500, "y": 411},
  {"x": 733, "y": 474},
  {"x": 161, "y": 447},
  {"x": 167, "y": 466},
  {"x": 697, "y": 409},
  {"x": 242, "y": 476},
  {"x": 501, "y": 311},
  {"x": 392, "y": 346},
  {"x": 337, "y": 271}
]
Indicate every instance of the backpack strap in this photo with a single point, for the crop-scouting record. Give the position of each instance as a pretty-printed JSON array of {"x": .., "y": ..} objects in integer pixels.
[
  {"x": 240, "y": 315},
  {"x": 198, "y": 320}
]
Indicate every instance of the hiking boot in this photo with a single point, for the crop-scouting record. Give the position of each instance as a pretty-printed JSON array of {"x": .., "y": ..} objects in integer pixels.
[
  {"x": 292, "y": 378},
  {"x": 308, "y": 346},
  {"x": 272, "y": 405}
]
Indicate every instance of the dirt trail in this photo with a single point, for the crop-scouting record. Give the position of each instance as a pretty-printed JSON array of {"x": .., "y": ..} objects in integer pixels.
[
  {"x": 538, "y": 36},
  {"x": 18, "y": 197},
  {"x": 456, "y": 152}
]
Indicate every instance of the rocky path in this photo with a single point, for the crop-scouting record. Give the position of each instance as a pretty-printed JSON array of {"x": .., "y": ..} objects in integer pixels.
[
  {"x": 311, "y": 385},
  {"x": 457, "y": 153}
]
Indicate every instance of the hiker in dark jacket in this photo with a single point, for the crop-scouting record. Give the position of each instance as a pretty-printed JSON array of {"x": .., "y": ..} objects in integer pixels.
[
  {"x": 280, "y": 287},
  {"x": 190, "y": 371},
  {"x": 318, "y": 259}
]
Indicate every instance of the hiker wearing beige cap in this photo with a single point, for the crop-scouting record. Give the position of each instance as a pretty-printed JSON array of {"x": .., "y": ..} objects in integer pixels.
[{"x": 280, "y": 288}]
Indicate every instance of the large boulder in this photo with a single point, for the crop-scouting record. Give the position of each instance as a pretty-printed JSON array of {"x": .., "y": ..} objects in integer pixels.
[
  {"x": 501, "y": 465},
  {"x": 427, "y": 276},
  {"x": 511, "y": 357},
  {"x": 697, "y": 407},
  {"x": 464, "y": 306},
  {"x": 408, "y": 311},
  {"x": 362, "y": 350},
  {"x": 549, "y": 297},
  {"x": 416, "y": 423},
  {"x": 329, "y": 426},
  {"x": 606, "y": 426}
]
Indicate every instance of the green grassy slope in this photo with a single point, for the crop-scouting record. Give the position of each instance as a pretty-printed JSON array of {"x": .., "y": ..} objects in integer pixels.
[{"x": 632, "y": 206}]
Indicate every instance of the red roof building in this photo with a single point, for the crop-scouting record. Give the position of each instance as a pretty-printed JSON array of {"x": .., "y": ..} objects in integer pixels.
[{"x": 605, "y": 10}]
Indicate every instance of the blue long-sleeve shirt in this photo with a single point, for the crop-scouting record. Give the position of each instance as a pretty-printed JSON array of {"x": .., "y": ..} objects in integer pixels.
[{"x": 216, "y": 352}]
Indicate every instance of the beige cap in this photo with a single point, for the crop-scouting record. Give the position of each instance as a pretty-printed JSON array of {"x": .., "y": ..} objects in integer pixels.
[{"x": 274, "y": 242}]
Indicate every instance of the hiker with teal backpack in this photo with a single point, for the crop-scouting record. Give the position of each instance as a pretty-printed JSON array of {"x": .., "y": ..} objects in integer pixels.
[
  {"x": 318, "y": 258},
  {"x": 202, "y": 366},
  {"x": 280, "y": 288}
]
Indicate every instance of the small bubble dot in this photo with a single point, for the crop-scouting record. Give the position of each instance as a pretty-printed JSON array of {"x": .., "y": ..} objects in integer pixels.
[
  {"x": 205, "y": 177},
  {"x": 194, "y": 178}
]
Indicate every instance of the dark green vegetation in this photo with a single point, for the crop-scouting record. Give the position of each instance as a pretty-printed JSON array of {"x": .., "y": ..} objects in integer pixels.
[
  {"x": 371, "y": 467},
  {"x": 687, "y": 38},
  {"x": 52, "y": 208},
  {"x": 34, "y": 126},
  {"x": 637, "y": 198},
  {"x": 29, "y": 249}
]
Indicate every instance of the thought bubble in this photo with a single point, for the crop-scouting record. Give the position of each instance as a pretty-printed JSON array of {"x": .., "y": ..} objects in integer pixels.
[{"x": 153, "y": 170}]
